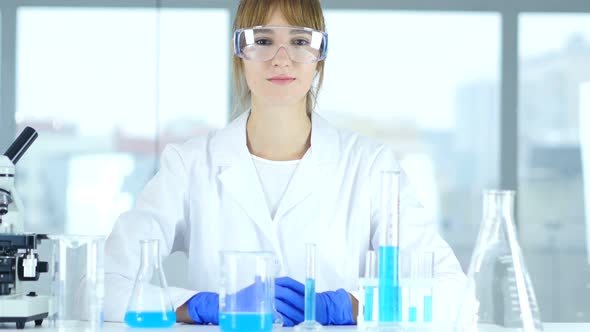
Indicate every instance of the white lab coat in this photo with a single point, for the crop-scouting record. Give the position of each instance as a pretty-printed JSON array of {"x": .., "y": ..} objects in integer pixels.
[{"x": 206, "y": 197}]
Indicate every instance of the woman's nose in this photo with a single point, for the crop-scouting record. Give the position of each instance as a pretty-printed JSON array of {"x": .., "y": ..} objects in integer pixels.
[{"x": 281, "y": 57}]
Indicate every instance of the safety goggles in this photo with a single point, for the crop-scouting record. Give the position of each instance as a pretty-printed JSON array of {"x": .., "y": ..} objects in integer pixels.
[{"x": 261, "y": 43}]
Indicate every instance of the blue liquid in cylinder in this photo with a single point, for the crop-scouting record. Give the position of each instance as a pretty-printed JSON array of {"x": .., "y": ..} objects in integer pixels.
[
  {"x": 245, "y": 322},
  {"x": 309, "y": 309},
  {"x": 150, "y": 318},
  {"x": 369, "y": 304},
  {"x": 428, "y": 308},
  {"x": 389, "y": 289},
  {"x": 413, "y": 314}
]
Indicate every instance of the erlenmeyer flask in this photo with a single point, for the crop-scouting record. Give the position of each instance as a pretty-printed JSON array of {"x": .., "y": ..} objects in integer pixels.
[
  {"x": 150, "y": 305},
  {"x": 499, "y": 290}
]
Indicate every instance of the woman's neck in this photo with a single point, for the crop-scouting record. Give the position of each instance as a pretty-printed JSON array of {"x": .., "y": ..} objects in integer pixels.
[{"x": 278, "y": 133}]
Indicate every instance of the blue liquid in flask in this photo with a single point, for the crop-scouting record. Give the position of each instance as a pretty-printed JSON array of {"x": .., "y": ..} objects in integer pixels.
[
  {"x": 149, "y": 319},
  {"x": 245, "y": 322}
]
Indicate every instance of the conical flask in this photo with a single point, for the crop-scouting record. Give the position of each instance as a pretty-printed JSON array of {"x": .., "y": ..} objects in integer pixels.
[
  {"x": 498, "y": 290},
  {"x": 149, "y": 304}
]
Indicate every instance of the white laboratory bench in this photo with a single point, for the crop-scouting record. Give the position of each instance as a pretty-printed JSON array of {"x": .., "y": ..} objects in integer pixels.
[{"x": 120, "y": 327}]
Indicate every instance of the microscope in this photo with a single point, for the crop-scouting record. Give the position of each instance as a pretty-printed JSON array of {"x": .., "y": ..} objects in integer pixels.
[{"x": 18, "y": 260}]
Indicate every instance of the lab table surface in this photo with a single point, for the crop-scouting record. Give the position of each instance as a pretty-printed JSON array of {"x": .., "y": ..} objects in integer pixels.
[{"x": 120, "y": 327}]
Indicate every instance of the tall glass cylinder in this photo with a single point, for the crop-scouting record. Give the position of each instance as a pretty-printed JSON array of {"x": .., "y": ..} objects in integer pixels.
[
  {"x": 499, "y": 291},
  {"x": 389, "y": 289},
  {"x": 309, "y": 323},
  {"x": 77, "y": 280},
  {"x": 309, "y": 310}
]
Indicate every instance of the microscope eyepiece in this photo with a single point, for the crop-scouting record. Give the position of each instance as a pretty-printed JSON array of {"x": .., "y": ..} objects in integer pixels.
[{"x": 21, "y": 144}]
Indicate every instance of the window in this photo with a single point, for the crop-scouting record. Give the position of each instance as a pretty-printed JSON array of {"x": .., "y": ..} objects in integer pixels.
[
  {"x": 427, "y": 84},
  {"x": 554, "y": 64},
  {"x": 107, "y": 89}
]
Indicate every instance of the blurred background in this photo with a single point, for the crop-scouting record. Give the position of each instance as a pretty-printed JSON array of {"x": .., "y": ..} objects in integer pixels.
[{"x": 471, "y": 94}]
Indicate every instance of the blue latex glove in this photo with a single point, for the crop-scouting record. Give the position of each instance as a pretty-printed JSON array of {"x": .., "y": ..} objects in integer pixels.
[
  {"x": 332, "y": 307},
  {"x": 203, "y": 308}
]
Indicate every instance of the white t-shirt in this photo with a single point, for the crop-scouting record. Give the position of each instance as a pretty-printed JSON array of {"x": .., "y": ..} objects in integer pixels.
[{"x": 274, "y": 178}]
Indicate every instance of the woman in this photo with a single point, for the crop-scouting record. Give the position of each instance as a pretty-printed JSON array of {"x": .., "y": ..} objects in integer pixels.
[{"x": 276, "y": 177}]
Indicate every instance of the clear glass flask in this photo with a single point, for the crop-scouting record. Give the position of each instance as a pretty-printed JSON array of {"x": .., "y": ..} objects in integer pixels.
[
  {"x": 150, "y": 304},
  {"x": 309, "y": 323},
  {"x": 499, "y": 291}
]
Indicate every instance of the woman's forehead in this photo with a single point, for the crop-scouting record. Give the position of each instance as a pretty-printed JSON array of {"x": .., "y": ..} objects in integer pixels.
[{"x": 277, "y": 18}]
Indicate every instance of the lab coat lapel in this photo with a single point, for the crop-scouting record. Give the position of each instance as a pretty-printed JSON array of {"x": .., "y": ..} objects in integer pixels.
[
  {"x": 238, "y": 175},
  {"x": 315, "y": 166}
]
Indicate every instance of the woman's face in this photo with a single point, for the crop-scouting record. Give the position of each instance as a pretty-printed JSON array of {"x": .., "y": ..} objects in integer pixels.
[{"x": 279, "y": 81}]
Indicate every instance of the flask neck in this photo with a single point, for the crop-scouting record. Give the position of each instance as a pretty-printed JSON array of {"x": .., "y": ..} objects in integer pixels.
[
  {"x": 150, "y": 253},
  {"x": 498, "y": 204}
]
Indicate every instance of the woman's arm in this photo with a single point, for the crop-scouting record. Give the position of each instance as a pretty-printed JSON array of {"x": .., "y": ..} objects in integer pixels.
[{"x": 160, "y": 213}]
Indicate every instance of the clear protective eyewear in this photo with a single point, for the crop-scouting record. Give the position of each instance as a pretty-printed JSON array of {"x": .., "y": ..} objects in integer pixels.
[{"x": 261, "y": 43}]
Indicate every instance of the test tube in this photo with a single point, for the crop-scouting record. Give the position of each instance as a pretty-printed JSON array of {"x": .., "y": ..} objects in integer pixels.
[
  {"x": 427, "y": 273},
  {"x": 418, "y": 286},
  {"x": 389, "y": 290},
  {"x": 309, "y": 282},
  {"x": 309, "y": 323},
  {"x": 415, "y": 290},
  {"x": 370, "y": 273}
]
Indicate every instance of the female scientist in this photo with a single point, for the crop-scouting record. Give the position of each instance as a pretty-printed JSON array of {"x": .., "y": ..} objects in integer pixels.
[{"x": 276, "y": 177}]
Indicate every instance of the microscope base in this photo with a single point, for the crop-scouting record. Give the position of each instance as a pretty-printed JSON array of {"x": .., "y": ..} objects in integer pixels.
[{"x": 23, "y": 308}]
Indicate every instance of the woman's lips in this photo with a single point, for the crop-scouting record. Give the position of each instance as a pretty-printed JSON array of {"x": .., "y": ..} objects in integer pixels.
[{"x": 282, "y": 80}]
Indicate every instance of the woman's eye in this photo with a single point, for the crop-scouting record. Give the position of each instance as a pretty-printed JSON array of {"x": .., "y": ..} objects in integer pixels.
[
  {"x": 300, "y": 42},
  {"x": 263, "y": 42}
]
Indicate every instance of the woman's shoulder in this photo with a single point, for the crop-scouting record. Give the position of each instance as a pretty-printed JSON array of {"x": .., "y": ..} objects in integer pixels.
[
  {"x": 364, "y": 146},
  {"x": 351, "y": 141},
  {"x": 189, "y": 151}
]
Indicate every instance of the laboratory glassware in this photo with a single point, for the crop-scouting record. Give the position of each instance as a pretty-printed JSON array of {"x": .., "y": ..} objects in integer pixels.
[
  {"x": 246, "y": 292},
  {"x": 309, "y": 323},
  {"x": 498, "y": 291},
  {"x": 77, "y": 280},
  {"x": 417, "y": 282},
  {"x": 389, "y": 290},
  {"x": 366, "y": 315},
  {"x": 277, "y": 317},
  {"x": 150, "y": 304}
]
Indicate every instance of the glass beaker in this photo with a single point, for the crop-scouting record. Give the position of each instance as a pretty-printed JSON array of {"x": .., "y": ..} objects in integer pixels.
[
  {"x": 499, "y": 290},
  {"x": 77, "y": 280},
  {"x": 246, "y": 292},
  {"x": 150, "y": 304}
]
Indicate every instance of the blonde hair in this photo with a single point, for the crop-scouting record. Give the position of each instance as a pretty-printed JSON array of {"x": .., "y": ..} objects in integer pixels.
[{"x": 306, "y": 13}]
